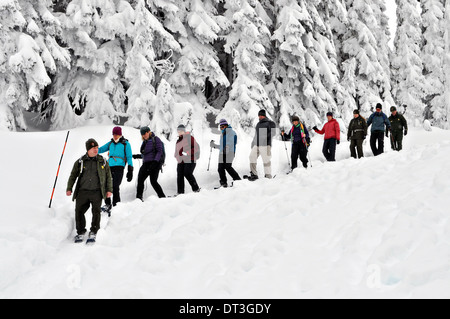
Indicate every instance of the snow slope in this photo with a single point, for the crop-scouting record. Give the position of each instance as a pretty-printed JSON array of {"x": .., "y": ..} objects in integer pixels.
[{"x": 370, "y": 228}]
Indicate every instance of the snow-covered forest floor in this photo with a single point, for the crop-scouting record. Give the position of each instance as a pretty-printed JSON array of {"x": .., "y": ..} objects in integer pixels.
[{"x": 370, "y": 228}]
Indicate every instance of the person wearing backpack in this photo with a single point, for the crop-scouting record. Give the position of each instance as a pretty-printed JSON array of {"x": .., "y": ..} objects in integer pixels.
[
  {"x": 399, "y": 128},
  {"x": 94, "y": 184},
  {"x": 299, "y": 137},
  {"x": 120, "y": 154},
  {"x": 187, "y": 152},
  {"x": 380, "y": 124},
  {"x": 152, "y": 153},
  {"x": 227, "y": 151}
]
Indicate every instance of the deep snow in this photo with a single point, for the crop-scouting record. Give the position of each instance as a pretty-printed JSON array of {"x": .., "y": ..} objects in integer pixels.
[{"x": 370, "y": 228}]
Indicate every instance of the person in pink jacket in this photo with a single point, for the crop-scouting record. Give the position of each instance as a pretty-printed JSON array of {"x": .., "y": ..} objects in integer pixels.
[{"x": 332, "y": 137}]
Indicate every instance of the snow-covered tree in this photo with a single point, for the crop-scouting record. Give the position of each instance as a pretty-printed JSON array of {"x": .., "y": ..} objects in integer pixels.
[
  {"x": 446, "y": 67},
  {"x": 247, "y": 42},
  {"x": 30, "y": 54},
  {"x": 407, "y": 65},
  {"x": 98, "y": 34},
  {"x": 433, "y": 55},
  {"x": 150, "y": 41},
  {"x": 363, "y": 74}
]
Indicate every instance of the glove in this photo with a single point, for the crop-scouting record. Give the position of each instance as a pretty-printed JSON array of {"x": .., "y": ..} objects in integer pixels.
[
  {"x": 348, "y": 139},
  {"x": 387, "y": 133},
  {"x": 136, "y": 156},
  {"x": 338, "y": 142},
  {"x": 364, "y": 137},
  {"x": 406, "y": 132},
  {"x": 184, "y": 154},
  {"x": 308, "y": 141},
  {"x": 212, "y": 144},
  {"x": 130, "y": 173},
  {"x": 315, "y": 128}
]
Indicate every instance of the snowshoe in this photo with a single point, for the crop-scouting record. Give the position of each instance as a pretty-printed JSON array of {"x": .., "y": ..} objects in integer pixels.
[
  {"x": 91, "y": 238},
  {"x": 79, "y": 239},
  {"x": 251, "y": 177},
  {"x": 107, "y": 209}
]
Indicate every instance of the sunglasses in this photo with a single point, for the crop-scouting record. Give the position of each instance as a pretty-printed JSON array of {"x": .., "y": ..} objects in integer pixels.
[{"x": 222, "y": 126}]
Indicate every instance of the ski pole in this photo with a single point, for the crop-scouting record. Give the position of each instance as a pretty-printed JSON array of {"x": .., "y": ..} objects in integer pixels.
[
  {"x": 209, "y": 162},
  {"x": 57, "y": 173}
]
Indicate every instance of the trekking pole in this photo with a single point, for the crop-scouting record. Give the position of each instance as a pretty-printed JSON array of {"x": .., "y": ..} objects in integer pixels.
[
  {"x": 287, "y": 154},
  {"x": 394, "y": 146},
  {"x": 209, "y": 162},
  {"x": 57, "y": 173}
]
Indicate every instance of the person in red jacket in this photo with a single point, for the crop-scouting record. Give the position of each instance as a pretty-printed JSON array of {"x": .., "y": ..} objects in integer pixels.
[{"x": 332, "y": 137}]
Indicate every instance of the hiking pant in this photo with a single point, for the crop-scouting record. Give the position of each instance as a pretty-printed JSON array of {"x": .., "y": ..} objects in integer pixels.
[
  {"x": 227, "y": 167},
  {"x": 266, "y": 153},
  {"x": 329, "y": 149},
  {"x": 145, "y": 171},
  {"x": 377, "y": 137},
  {"x": 397, "y": 140},
  {"x": 356, "y": 145},
  {"x": 84, "y": 200},
  {"x": 186, "y": 170},
  {"x": 299, "y": 151},
  {"x": 117, "y": 176}
]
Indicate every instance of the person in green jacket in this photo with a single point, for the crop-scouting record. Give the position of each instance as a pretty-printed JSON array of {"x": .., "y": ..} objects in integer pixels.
[
  {"x": 356, "y": 134},
  {"x": 94, "y": 185},
  {"x": 399, "y": 127}
]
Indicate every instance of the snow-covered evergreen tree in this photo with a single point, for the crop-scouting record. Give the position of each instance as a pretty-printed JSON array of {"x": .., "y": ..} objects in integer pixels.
[
  {"x": 30, "y": 53},
  {"x": 407, "y": 64},
  {"x": 433, "y": 53},
  {"x": 150, "y": 41},
  {"x": 446, "y": 111},
  {"x": 247, "y": 41},
  {"x": 364, "y": 76},
  {"x": 98, "y": 32}
]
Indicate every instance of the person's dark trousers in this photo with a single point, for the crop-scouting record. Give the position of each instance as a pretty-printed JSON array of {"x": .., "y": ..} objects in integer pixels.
[
  {"x": 356, "y": 146},
  {"x": 145, "y": 171},
  {"x": 227, "y": 167},
  {"x": 397, "y": 140},
  {"x": 117, "y": 177},
  {"x": 377, "y": 142},
  {"x": 186, "y": 170},
  {"x": 86, "y": 199},
  {"x": 299, "y": 151},
  {"x": 329, "y": 149}
]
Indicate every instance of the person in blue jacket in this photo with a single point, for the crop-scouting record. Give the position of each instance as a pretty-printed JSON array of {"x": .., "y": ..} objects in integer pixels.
[
  {"x": 380, "y": 126},
  {"x": 227, "y": 151},
  {"x": 152, "y": 150}
]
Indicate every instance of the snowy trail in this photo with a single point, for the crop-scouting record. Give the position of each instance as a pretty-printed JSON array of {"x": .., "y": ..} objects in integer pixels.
[{"x": 370, "y": 228}]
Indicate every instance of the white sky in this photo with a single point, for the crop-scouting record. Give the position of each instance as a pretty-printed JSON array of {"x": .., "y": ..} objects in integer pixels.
[{"x": 390, "y": 11}]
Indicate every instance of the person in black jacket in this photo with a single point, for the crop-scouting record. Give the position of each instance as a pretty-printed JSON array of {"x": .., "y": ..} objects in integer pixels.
[
  {"x": 262, "y": 146},
  {"x": 300, "y": 140},
  {"x": 356, "y": 134},
  {"x": 399, "y": 127}
]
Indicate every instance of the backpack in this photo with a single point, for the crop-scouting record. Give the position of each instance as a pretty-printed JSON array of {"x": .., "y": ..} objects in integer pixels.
[
  {"x": 123, "y": 141},
  {"x": 162, "y": 160}
]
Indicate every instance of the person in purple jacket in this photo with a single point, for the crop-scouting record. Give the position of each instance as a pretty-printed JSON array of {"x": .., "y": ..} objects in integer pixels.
[{"x": 151, "y": 152}]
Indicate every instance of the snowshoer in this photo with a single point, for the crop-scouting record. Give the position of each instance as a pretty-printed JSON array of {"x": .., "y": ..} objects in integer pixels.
[
  {"x": 227, "y": 151},
  {"x": 187, "y": 152},
  {"x": 152, "y": 150},
  {"x": 380, "y": 126},
  {"x": 332, "y": 137},
  {"x": 300, "y": 140},
  {"x": 356, "y": 134},
  {"x": 399, "y": 127},
  {"x": 262, "y": 146},
  {"x": 94, "y": 185},
  {"x": 120, "y": 154}
]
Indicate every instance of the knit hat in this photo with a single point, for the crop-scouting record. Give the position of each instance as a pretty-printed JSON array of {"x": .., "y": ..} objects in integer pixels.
[
  {"x": 393, "y": 108},
  {"x": 223, "y": 122},
  {"x": 379, "y": 106},
  {"x": 117, "y": 131},
  {"x": 181, "y": 128},
  {"x": 262, "y": 113},
  {"x": 144, "y": 130},
  {"x": 356, "y": 112},
  {"x": 90, "y": 143},
  {"x": 295, "y": 118},
  {"x": 330, "y": 114}
]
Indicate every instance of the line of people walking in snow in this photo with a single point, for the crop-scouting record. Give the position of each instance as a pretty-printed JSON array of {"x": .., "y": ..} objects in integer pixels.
[{"x": 97, "y": 179}]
